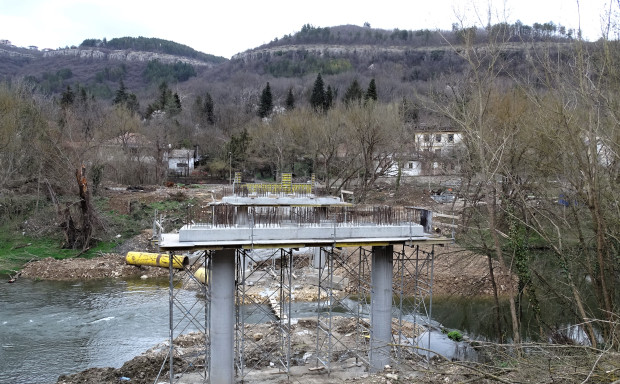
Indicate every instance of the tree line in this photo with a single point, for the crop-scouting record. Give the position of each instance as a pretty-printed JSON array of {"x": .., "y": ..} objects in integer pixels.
[
  {"x": 541, "y": 171},
  {"x": 351, "y": 34}
]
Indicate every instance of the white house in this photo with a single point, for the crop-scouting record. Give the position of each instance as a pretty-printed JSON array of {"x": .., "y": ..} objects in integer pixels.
[
  {"x": 180, "y": 162},
  {"x": 436, "y": 139},
  {"x": 411, "y": 168},
  {"x": 433, "y": 146},
  {"x": 407, "y": 168}
]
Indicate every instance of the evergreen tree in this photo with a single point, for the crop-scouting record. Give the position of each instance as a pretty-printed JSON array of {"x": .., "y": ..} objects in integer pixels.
[
  {"x": 353, "y": 93},
  {"x": 175, "y": 107},
  {"x": 329, "y": 98},
  {"x": 165, "y": 94},
  {"x": 238, "y": 147},
  {"x": 317, "y": 99},
  {"x": 290, "y": 99},
  {"x": 167, "y": 102},
  {"x": 208, "y": 109},
  {"x": 128, "y": 100},
  {"x": 132, "y": 103},
  {"x": 266, "y": 102},
  {"x": 371, "y": 93},
  {"x": 121, "y": 94},
  {"x": 83, "y": 96},
  {"x": 67, "y": 97}
]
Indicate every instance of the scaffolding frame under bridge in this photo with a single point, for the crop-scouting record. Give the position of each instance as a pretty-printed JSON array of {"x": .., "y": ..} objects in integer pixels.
[{"x": 383, "y": 271}]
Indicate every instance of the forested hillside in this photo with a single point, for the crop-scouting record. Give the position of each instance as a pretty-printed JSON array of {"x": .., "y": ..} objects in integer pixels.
[{"x": 99, "y": 65}]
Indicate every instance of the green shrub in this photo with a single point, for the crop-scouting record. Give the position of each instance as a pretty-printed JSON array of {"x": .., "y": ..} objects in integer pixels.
[{"x": 455, "y": 335}]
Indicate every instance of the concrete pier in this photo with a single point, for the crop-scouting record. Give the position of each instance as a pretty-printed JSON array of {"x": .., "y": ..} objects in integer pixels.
[
  {"x": 381, "y": 307},
  {"x": 222, "y": 326},
  {"x": 318, "y": 258}
]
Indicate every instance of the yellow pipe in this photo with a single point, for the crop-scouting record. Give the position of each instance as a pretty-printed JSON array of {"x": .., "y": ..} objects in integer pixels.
[
  {"x": 156, "y": 259},
  {"x": 201, "y": 276}
]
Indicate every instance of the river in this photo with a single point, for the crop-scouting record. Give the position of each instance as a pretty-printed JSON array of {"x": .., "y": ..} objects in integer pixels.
[{"x": 50, "y": 328}]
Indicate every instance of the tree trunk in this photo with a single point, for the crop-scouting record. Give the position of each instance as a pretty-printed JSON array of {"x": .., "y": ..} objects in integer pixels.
[
  {"x": 85, "y": 207},
  {"x": 498, "y": 320},
  {"x": 492, "y": 213},
  {"x": 71, "y": 232}
]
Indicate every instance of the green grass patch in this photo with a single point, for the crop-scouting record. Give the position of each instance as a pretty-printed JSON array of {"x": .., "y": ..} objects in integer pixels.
[
  {"x": 173, "y": 205},
  {"x": 16, "y": 250},
  {"x": 18, "y": 246}
]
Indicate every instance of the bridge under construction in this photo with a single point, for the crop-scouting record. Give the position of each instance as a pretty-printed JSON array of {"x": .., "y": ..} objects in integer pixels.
[{"x": 372, "y": 264}]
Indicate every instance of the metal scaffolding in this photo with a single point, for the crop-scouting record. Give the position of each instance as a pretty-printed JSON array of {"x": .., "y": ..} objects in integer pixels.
[
  {"x": 274, "y": 307},
  {"x": 187, "y": 316},
  {"x": 415, "y": 303},
  {"x": 357, "y": 279}
]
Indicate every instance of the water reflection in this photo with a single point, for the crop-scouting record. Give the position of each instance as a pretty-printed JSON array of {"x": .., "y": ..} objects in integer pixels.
[{"x": 475, "y": 316}]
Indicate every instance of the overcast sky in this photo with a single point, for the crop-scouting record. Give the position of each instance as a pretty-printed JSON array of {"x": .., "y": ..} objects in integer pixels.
[{"x": 226, "y": 27}]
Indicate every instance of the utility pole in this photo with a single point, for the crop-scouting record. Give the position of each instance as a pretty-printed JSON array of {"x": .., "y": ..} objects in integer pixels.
[{"x": 230, "y": 168}]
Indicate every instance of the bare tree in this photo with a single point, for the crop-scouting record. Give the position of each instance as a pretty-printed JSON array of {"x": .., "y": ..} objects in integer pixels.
[
  {"x": 580, "y": 111},
  {"x": 374, "y": 132},
  {"x": 470, "y": 104}
]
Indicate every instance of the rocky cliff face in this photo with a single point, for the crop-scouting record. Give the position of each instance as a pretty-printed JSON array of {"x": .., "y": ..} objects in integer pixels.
[
  {"x": 321, "y": 50},
  {"x": 10, "y": 53},
  {"x": 123, "y": 55}
]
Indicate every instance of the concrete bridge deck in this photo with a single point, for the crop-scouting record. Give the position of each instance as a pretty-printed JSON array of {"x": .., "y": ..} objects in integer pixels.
[{"x": 198, "y": 237}]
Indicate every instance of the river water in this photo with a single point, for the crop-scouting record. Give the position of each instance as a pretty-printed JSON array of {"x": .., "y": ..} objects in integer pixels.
[{"x": 50, "y": 328}]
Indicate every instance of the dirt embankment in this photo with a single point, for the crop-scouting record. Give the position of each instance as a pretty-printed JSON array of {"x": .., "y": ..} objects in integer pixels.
[
  {"x": 464, "y": 273},
  {"x": 108, "y": 265},
  {"x": 105, "y": 266}
]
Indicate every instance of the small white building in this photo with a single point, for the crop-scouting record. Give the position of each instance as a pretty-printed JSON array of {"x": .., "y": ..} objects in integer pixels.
[
  {"x": 437, "y": 139},
  {"x": 181, "y": 162},
  {"x": 407, "y": 168},
  {"x": 411, "y": 168}
]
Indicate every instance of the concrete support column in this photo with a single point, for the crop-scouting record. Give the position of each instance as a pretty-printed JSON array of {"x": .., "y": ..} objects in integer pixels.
[
  {"x": 318, "y": 260},
  {"x": 381, "y": 307},
  {"x": 222, "y": 325}
]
